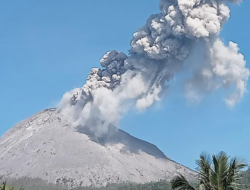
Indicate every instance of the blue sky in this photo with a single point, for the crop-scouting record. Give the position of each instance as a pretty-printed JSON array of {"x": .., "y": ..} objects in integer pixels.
[{"x": 48, "y": 47}]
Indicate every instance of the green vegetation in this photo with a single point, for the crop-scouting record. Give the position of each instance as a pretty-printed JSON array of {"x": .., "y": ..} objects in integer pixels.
[
  {"x": 218, "y": 172},
  {"x": 4, "y": 186},
  {"x": 245, "y": 181},
  {"x": 37, "y": 184},
  {"x": 215, "y": 173},
  {"x": 33, "y": 184},
  {"x": 161, "y": 185}
]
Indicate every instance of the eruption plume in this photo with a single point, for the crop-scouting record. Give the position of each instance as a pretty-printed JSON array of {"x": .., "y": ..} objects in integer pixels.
[{"x": 185, "y": 34}]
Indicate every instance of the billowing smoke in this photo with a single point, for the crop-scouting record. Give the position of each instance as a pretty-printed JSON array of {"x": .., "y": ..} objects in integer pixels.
[{"x": 184, "y": 35}]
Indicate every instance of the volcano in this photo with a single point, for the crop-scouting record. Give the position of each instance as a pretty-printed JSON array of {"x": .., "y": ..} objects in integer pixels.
[{"x": 48, "y": 147}]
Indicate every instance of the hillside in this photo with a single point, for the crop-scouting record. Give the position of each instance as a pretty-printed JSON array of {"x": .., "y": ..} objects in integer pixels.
[{"x": 46, "y": 146}]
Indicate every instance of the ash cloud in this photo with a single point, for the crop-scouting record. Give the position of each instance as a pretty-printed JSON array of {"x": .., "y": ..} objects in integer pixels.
[{"x": 160, "y": 49}]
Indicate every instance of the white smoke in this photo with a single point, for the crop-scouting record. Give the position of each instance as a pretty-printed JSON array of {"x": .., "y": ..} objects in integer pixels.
[{"x": 159, "y": 50}]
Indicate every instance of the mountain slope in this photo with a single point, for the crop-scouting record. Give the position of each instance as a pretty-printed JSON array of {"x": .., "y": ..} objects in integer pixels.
[{"x": 46, "y": 146}]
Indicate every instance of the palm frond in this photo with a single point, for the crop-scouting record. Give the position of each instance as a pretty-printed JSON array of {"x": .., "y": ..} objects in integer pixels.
[
  {"x": 215, "y": 173},
  {"x": 219, "y": 171},
  {"x": 3, "y": 186},
  {"x": 234, "y": 176},
  {"x": 204, "y": 170},
  {"x": 181, "y": 183}
]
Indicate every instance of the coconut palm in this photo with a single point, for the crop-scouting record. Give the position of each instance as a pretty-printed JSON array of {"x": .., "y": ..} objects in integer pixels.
[{"x": 218, "y": 172}]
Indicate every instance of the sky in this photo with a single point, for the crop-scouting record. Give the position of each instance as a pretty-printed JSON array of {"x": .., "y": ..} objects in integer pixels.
[{"x": 48, "y": 47}]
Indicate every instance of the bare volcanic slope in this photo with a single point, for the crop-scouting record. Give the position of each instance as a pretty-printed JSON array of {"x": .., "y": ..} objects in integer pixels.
[{"x": 46, "y": 146}]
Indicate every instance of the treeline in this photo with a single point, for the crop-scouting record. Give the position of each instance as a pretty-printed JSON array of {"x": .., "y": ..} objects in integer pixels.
[
  {"x": 36, "y": 184},
  {"x": 216, "y": 172},
  {"x": 245, "y": 181},
  {"x": 161, "y": 185}
]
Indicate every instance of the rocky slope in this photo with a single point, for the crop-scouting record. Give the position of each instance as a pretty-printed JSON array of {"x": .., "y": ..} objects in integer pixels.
[{"x": 46, "y": 146}]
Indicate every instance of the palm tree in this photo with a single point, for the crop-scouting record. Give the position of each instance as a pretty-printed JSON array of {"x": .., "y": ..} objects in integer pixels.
[{"x": 215, "y": 173}]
